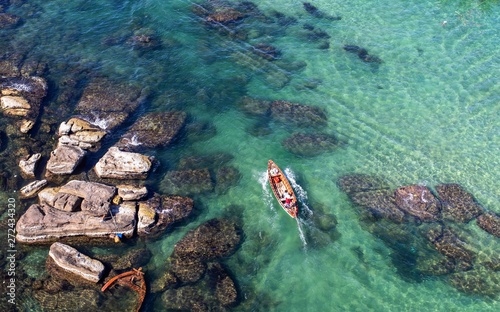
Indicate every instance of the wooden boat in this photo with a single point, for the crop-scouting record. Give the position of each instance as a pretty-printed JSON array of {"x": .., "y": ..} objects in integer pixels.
[
  {"x": 133, "y": 279},
  {"x": 282, "y": 189}
]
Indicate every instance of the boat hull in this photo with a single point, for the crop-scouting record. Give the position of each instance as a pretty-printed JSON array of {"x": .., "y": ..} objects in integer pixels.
[{"x": 280, "y": 186}]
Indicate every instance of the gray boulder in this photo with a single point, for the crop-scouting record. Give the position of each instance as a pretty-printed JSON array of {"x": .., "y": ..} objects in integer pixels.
[{"x": 117, "y": 164}]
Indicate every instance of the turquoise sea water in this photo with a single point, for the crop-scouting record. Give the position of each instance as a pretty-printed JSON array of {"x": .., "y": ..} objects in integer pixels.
[{"x": 429, "y": 114}]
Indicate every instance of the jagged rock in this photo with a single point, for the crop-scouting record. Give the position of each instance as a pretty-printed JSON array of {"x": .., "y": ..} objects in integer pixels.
[
  {"x": 418, "y": 201},
  {"x": 42, "y": 223},
  {"x": 145, "y": 39},
  {"x": 186, "y": 182},
  {"x": 28, "y": 165},
  {"x": 310, "y": 144},
  {"x": 107, "y": 103},
  {"x": 130, "y": 192},
  {"x": 71, "y": 260},
  {"x": 457, "y": 204},
  {"x": 298, "y": 114},
  {"x": 68, "y": 202},
  {"x": 96, "y": 196},
  {"x": 63, "y": 300},
  {"x": 152, "y": 130},
  {"x": 160, "y": 212},
  {"x": 490, "y": 222},
  {"x": 118, "y": 164},
  {"x": 32, "y": 189},
  {"x": 64, "y": 159},
  {"x": 81, "y": 133}
]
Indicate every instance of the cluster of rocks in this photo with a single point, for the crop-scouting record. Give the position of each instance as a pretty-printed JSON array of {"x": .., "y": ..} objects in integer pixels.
[
  {"x": 196, "y": 280},
  {"x": 89, "y": 209},
  {"x": 431, "y": 230}
]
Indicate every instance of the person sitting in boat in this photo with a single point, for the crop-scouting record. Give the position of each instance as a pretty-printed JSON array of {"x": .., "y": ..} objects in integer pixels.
[
  {"x": 288, "y": 199},
  {"x": 274, "y": 171}
]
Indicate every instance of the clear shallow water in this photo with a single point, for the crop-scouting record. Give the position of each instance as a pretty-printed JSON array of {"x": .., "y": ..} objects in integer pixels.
[{"x": 428, "y": 114}]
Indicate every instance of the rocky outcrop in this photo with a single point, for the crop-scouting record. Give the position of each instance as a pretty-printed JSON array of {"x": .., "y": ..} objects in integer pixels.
[
  {"x": 42, "y": 223},
  {"x": 418, "y": 201},
  {"x": 71, "y": 260},
  {"x": 152, "y": 130},
  {"x": 65, "y": 159},
  {"x": 28, "y": 165},
  {"x": 457, "y": 204},
  {"x": 448, "y": 244},
  {"x": 108, "y": 104},
  {"x": 81, "y": 133},
  {"x": 118, "y": 164},
  {"x": 380, "y": 204},
  {"x": 310, "y": 144},
  {"x": 490, "y": 222}
]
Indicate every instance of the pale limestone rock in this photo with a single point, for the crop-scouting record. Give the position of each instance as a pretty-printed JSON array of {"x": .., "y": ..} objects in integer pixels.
[
  {"x": 71, "y": 260},
  {"x": 28, "y": 166},
  {"x": 123, "y": 165},
  {"x": 32, "y": 188}
]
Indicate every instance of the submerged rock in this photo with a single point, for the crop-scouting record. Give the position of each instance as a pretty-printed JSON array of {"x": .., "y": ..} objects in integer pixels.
[
  {"x": 117, "y": 164},
  {"x": 457, "y": 204},
  {"x": 477, "y": 282},
  {"x": 310, "y": 144},
  {"x": 108, "y": 104},
  {"x": 159, "y": 213},
  {"x": 187, "y": 182},
  {"x": 418, "y": 201},
  {"x": 157, "y": 129},
  {"x": 490, "y": 222},
  {"x": 71, "y": 260},
  {"x": 447, "y": 243},
  {"x": 9, "y": 20},
  {"x": 362, "y": 54},
  {"x": 355, "y": 183},
  {"x": 298, "y": 114},
  {"x": 380, "y": 204}
]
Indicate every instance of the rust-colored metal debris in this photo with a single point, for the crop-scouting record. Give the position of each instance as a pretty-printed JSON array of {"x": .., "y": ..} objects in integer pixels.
[{"x": 133, "y": 279}]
